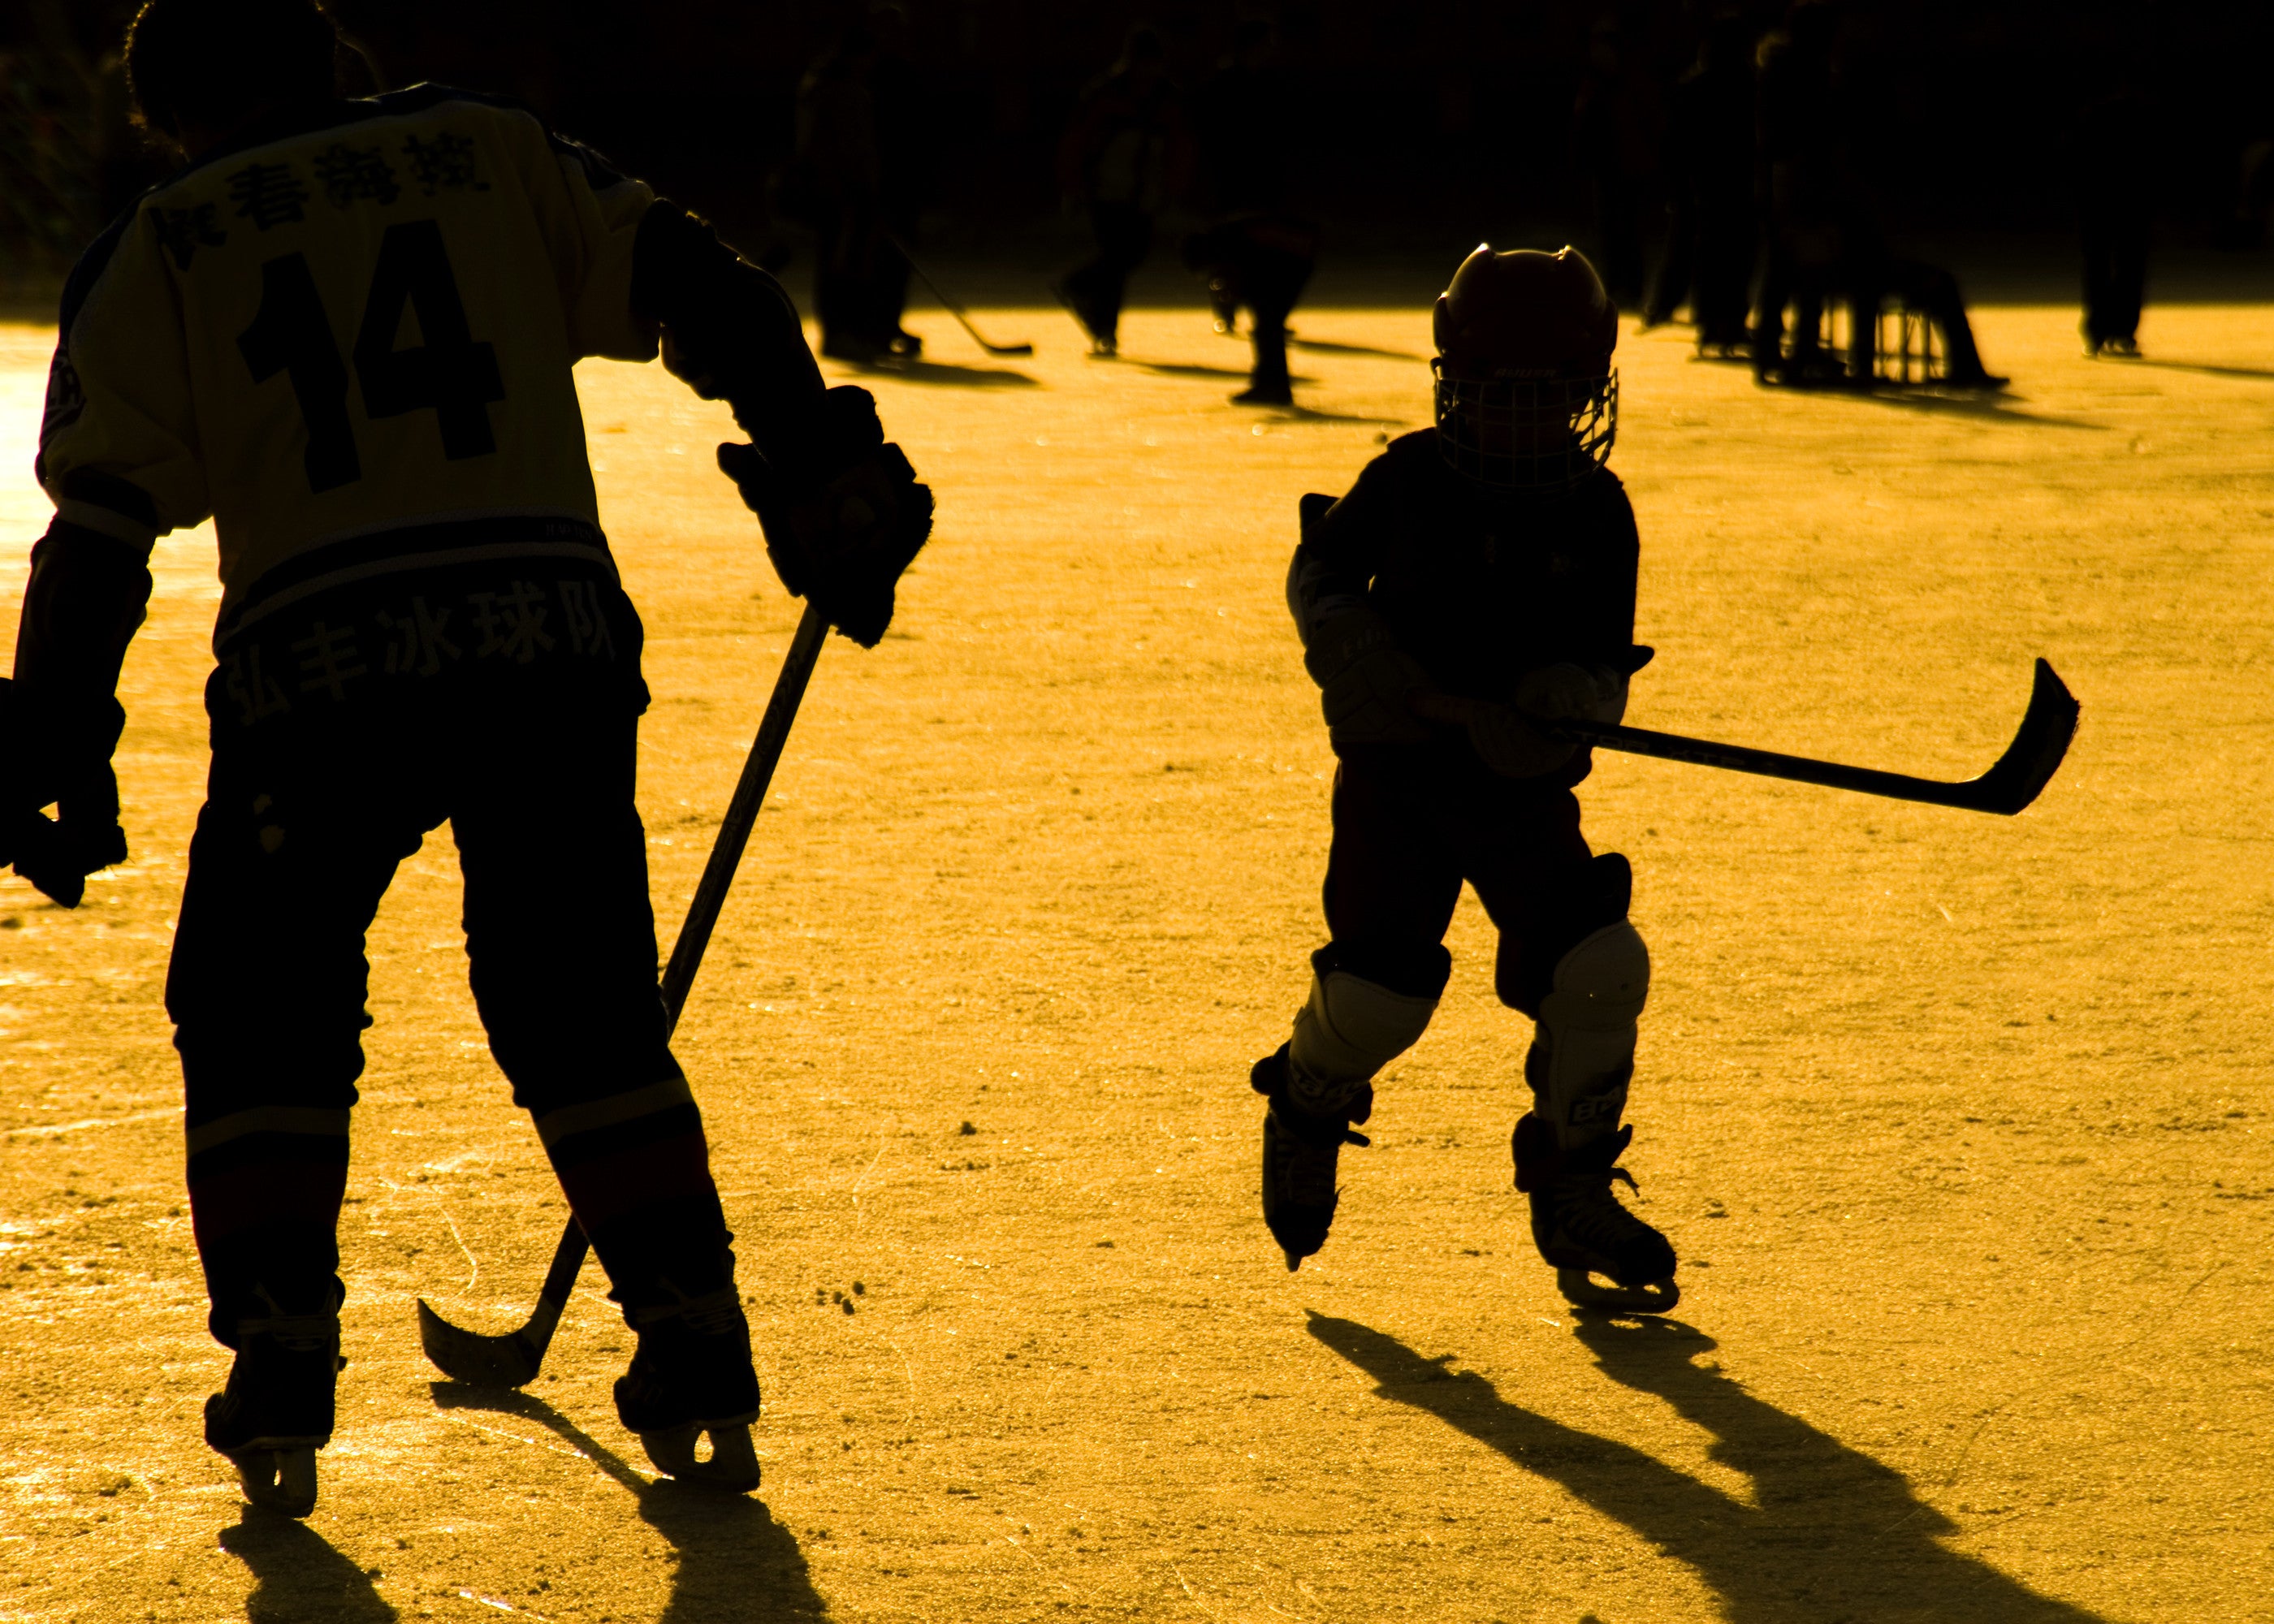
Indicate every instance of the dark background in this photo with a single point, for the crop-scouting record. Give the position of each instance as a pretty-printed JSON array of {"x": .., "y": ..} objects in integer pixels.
[{"x": 1451, "y": 116}]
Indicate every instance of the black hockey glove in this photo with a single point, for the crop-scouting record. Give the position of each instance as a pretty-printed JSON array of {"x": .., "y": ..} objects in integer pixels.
[
  {"x": 1567, "y": 691},
  {"x": 1505, "y": 737},
  {"x": 60, "y": 760},
  {"x": 1506, "y": 741},
  {"x": 844, "y": 523},
  {"x": 1366, "y": 680}
]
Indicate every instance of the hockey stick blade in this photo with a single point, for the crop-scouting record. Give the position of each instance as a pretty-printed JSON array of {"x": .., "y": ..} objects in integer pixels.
[
  {"x": 2016, "y": 779},
  {"x": 513, "y": 1360},
  {"x": 952, "y": 307}
]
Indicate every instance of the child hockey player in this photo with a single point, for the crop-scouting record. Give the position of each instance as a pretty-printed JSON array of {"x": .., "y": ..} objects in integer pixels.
[
  {"x": 345, "y": 332},
  {"x": 1479, "y": 578}
]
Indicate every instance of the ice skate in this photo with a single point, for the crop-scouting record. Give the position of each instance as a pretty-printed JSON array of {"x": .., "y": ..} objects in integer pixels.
[
  {"x": 1300, "y": 1152},
  {"x": 1582, "y": 1230},
  {"x": 692, "y": 1375},
  {"x": 1103, "y": 339},
  {"x": 276, "y": 1411}
]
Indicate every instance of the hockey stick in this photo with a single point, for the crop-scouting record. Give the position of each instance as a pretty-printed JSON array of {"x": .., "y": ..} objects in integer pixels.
[
  {"x": 512, "y": 1360},
  {"x": 2013, "y": 782},
  {"x": 952, "y": 307}
]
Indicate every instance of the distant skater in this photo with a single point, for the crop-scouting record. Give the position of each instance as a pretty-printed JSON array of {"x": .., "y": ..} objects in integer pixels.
[
  {"x": 1712, "y": 218},
  {"x": 1125, "y": 153},
  {"x": 2115, "y": 213},
  {"x": 836, "y": 185},
  {"x": 1256, "y": 255},
  {"x": 1614, "y": 145},
  {"x": 900, "y": 96},
  {"x": 344, "y": 333},
  {"x": 1803, "y": 191},
  {"x": 1477, "y": 580}
]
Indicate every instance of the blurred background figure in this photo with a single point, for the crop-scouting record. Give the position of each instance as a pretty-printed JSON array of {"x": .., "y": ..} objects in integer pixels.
[
  {"x": 1713, "y": 227},
  {"x": 2243, "y": 225},
  {"x": 901, "y": 93},
  {"x": 1825, "y": 242},
  {"x": 835, "y": 186},
  {"x": 1614, "y": 145},
  {"x": 1255, "y": 256},
  {"x": 2115, "y": 208},
  {"x": 1125, "y": 153},
  {"x": 1869, "y": 273},
  {"x": 1803, "y": 185}
]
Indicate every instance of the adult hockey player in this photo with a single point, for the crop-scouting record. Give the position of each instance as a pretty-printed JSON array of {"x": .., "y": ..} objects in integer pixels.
[
  {"x": 1712, "y": 218},
  {"x": 1484, "y": 570},
  {"x": 345, "y": 331},
  {"x": 1125, "y": 154},
  {"x": 1257, "y": 252}
]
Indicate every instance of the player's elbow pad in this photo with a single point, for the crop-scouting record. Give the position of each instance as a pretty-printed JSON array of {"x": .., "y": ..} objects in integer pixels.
[{"x": 730, "y": 321}]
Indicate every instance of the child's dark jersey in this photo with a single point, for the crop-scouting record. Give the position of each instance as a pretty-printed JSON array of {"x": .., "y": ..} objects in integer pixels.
[{"x": 1479, "y": 587}]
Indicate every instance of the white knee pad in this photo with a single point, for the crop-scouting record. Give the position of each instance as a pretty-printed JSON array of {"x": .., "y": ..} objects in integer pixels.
[
  {"x": 1349, "y": 1030},
  {"x": 1582, "y": 1054}
]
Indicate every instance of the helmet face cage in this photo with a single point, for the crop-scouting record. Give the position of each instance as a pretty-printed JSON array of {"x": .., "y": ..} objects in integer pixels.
[{"x": 1544, "y": 434}]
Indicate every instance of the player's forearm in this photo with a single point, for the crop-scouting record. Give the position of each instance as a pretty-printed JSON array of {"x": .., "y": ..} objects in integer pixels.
[
  {"x": 735, "y": 333},
  {"x": 81, "y": 608}
]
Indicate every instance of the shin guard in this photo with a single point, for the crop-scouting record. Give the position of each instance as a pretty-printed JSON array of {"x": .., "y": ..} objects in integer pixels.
[
  {"x": 1348, "y": 1030},
  {"x": 1582, "y": 1056}
]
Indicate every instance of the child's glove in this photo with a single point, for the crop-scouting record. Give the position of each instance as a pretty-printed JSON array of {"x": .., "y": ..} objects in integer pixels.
[
  {"x": 1506, "y": 741},
  {"x": 1365, "y": 679},
  {"x": 1566, "y": 691}
]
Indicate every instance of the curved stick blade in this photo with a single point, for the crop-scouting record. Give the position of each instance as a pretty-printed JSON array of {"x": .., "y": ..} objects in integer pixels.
[
  {"x": 511, "y": 1360},
  {"x": 2039, "y": 746},
  {"x": 508, "y": 1361}
]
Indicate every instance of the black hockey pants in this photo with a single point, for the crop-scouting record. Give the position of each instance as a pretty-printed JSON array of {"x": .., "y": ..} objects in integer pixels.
[
  {"x": 346, "y": 727},
  {"x": 1412, "y": 822}
]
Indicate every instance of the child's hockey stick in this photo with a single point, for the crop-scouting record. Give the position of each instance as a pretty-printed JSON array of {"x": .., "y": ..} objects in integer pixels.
[
  {"x": 2017, "y": 778},
  {"x": 952, "y": 307},
  {"x": 2024, "y": 769},
  {"x": 512, "y": 1360}
]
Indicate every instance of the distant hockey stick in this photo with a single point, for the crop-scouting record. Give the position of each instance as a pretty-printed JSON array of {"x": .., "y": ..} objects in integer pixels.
[
  {"x": 512, "y": 1360},
  {"x": 953, "y": 308},
  {"x": 2019, "y": 776}
]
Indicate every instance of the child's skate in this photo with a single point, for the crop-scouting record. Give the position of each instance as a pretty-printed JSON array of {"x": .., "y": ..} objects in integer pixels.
[
  {"x": 1582, "y": 1230},
  {"x": 1300, "y": 1152}
]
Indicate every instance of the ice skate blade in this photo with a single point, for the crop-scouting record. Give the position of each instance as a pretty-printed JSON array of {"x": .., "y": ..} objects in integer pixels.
[
  {"x": 1580, "y": 1290},
  {"x": 279, "y": 1480},
  {"x": 733, "y": 1468}
]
